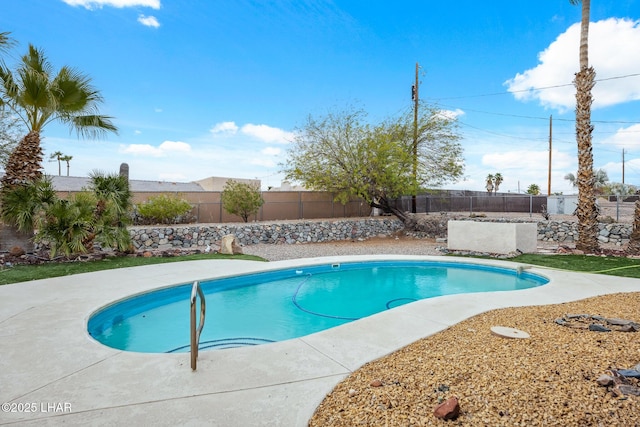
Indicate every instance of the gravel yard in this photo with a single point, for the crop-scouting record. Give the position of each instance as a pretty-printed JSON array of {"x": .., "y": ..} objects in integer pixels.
[{"x": 546, "y": 380}]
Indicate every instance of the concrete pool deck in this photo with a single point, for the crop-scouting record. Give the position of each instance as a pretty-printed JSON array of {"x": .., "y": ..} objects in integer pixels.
[{"x": 53, "y": 372}]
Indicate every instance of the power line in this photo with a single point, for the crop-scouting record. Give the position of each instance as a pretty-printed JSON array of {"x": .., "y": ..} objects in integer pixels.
[
  {"x": 537, "y": 88},
  {"x": 536, "y": 117},
  {"x": 497, "y": 133}
]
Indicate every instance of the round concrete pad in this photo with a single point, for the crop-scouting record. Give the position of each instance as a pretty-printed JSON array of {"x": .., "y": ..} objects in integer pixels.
[{"x": 503, "y": 331}]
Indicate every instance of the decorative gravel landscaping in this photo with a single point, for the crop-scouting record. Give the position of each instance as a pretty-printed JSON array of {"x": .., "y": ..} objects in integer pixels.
[{"x": 548, "y": 379}]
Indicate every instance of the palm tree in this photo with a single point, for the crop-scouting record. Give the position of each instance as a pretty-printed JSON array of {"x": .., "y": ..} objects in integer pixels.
[
  {"x": 633, "y": 247},
  {"x": 600, "y": 179},
  {"x": 533, "y": 189},
  {"x": 572, "y": 179},
  {"x": 489, "y": 185},
  {"x": 99, "y": 214},
  {"x": 38, "y": 96},
  {"x": 57, "y": 156},
  {"x": 497, "y": 179},
  {"x": 66, "y": 159},
  {"x": 584, "y": 82}
]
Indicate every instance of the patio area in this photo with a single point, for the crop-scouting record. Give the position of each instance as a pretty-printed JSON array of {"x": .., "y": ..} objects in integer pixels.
[{"x": 53, "y": 372}]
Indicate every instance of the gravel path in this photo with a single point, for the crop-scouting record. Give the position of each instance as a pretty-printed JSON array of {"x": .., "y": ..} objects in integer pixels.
[
  {"x": 547, "y": 380},
  {"x": 374, "y": 246}
]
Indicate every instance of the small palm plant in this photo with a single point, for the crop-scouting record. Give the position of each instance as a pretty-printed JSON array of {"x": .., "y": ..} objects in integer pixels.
[{"x": 100, "y": 214}]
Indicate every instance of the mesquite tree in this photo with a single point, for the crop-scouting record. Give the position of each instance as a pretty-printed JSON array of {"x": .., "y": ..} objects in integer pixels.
[{"x": 343, "y": 154}]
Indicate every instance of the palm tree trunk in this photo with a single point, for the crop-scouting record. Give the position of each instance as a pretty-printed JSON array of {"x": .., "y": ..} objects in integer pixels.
[
  {"x": 25, "y": 162},
  {"x": 585, "y": 80},
  {"x": 587, "y": 212},
  {"x": 633, "y": 247},
  {"x": 23, "y": 166}
]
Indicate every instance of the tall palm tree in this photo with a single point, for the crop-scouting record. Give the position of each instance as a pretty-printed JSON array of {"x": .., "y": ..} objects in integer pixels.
[
  {"x": 57, "y": 156},
  {"x": 497, "y": 179},
  {"x": 38, "y": 96},
  {"x": 66, "y": 159},
  {"x": 489, "y": 184},
  {"x": 585, "y": 80}
]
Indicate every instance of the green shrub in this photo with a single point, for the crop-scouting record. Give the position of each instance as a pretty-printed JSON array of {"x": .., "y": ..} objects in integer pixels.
[
  {"x": 99, "y": 214},
  {"x": 164, "y": 209},
  {"x": 241, "y": 199}
]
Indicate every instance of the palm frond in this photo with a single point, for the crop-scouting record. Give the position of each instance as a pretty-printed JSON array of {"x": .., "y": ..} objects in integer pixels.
[
  {"x": 6, "y": 42},
  {"x": 36, "y": 60},
  {"x": 93, "y": 126}
]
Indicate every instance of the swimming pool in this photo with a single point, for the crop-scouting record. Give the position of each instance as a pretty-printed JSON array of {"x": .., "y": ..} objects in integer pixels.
[{"x": 278, "y": 305}]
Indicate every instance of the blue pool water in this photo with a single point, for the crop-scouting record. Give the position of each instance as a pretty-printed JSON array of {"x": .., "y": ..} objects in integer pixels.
[{"x": 278, "y": 305}]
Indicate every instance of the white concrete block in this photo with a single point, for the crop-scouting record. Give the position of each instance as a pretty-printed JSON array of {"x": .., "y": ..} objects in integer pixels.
[{"x": 493, "y": 237}]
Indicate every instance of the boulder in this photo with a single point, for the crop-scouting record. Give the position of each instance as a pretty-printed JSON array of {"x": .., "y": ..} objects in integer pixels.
[{"x": 230, "y": 245}]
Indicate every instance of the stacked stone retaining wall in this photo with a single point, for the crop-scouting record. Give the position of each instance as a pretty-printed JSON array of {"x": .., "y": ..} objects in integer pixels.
[
  {"x": 567, "y": 231},
  {"x": 190, "y": 236},
  {"x": 201, "y": 235},
  {"x": 552, "y": 231}
]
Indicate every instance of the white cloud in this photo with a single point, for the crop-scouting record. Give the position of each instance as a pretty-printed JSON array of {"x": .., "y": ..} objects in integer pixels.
[
  {"x": 626, "y": 138},
  {"x": 264, "y": 162},
  {"x": 614, "y": 51},
  {"x": 271, "y": 151},
  {"x": 520, "y": 168},
  {"x": 224, "y": 128},
  {"x": 525, "y": 160},
  {"x": 97, "y": 4},
  {"x": 158, "y": 110},
  {"x": 167, "y": 147},
  {"x": 268, "y": 134},
  {"x": 451, "y": 114},
  {"x": 175, "y": 146},
  {"x": 137, "y": 132},
  {"x": 172, "y": 177},
  {"x": 148, "y": 21}
]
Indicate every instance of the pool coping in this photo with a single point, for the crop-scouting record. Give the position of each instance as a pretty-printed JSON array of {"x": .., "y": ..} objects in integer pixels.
[{"x": 53, "y": 368}]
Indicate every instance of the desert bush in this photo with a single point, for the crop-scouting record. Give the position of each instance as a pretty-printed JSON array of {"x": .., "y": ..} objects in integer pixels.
[
  {"x": 241, "y": 199},
  {"x": 164, "y": 209}
]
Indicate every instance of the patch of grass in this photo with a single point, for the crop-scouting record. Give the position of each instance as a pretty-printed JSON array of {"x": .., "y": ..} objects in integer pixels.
[
  {"x": 24, "y": 273},
  {"x": 611, "y": 265}
]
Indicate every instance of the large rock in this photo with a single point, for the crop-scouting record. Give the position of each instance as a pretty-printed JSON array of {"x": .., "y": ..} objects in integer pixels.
[
  {"x": 448, "y": 410},
  {"x": 12, "y": 239},
  {"x": 230, "y": 245}
]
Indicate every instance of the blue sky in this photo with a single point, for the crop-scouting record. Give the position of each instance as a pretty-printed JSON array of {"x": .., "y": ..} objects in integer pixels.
[{"x": 217, "y": 88}]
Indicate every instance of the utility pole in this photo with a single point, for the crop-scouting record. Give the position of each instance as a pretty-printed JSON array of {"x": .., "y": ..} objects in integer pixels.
[
  {"x": 623, "y": 165},
  {"x": 550, "y": 141},
  {"x": 414, "y": 96}
]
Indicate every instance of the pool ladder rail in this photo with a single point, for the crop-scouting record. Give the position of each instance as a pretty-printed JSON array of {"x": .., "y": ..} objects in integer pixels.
[{"x": 196, "y": 291}]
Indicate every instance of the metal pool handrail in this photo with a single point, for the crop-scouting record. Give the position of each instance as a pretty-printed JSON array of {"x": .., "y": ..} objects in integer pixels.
[{"x": 196, "y": 291}]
